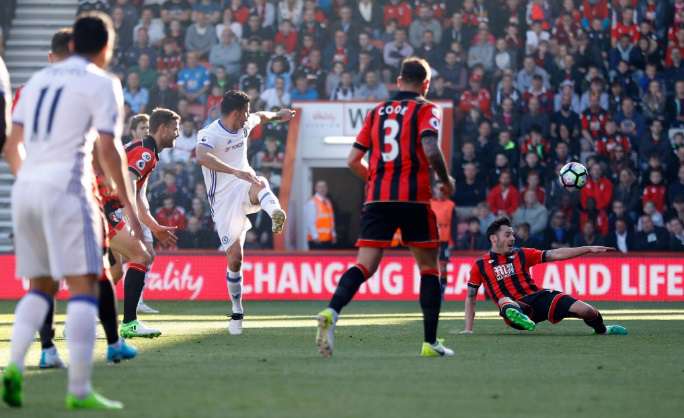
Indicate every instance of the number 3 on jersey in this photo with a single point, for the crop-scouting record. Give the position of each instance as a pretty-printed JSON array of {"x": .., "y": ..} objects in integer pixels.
[
  {"x": 390, "y": 139},
  {"x": 51, "y": 115}
]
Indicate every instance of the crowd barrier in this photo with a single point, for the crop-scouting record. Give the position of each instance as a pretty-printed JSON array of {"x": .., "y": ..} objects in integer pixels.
[{"x": 314, "y": 275}]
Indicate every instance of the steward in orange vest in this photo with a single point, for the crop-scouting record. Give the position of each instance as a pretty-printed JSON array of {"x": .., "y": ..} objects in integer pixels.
[{"x": 320, "y": 219}]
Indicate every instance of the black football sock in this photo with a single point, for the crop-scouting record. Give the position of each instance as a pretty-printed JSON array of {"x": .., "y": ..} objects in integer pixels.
[
  {"x": 349, "y": 284},
  {"x": 47, "y": 331},
  {"x": 107, "y": 311},
  {"x": 596, "y": 322},
  {"x": 134, "y": 282},
  {"x": 430, "y": 304}
]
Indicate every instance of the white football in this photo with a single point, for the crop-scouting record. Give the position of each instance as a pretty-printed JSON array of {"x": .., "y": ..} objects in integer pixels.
[{"x": 573, "y": 176}]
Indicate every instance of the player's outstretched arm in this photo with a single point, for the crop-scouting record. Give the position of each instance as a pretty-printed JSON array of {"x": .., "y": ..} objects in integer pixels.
[
  {"x": 207, "y": 159},
  {"x": 283, "y": 115},
  {"x": 14, "y": 150},
  {"x": 470, "y": 302},
  {"x": 112, "y": 158},
  {"x": 436, "y": 160},
  {"x": 357, "y": 164},
  {"x": 566, "y": 253}
]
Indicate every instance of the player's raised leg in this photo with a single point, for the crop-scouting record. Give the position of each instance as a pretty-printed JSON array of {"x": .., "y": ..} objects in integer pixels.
[
  {"x": 234, "y": 283},
  {"x": 367, "y": 262},
  {"x": 430, "y": 301},
  {"x": 262, "y": 195},
  {"x": 592, "y": 317}
]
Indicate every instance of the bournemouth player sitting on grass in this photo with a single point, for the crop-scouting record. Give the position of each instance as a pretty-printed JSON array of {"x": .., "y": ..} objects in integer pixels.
[
  {"x": 505, "y": 273},
  {"x": 401, "y": 138}
]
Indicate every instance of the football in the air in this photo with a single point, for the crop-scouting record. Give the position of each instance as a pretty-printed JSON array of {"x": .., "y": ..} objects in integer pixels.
[{"x": 573, "y": 176}]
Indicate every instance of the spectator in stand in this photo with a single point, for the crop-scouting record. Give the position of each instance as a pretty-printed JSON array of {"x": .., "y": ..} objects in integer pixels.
[
  {"x": 655, "y": 190},
  {"x": 523, "y": 237},
  {"x": 277, "y": 96},
  {"x": 425, "y": 22},
  {"x": 136, "y": 96},
  {"x": 535, "y": 118},
  {"x": 655, "y": 142},
  {"x": 504, "y": 198},
  {"x": 319, "y": 216},
  {"x": 651, "y": 237},
  {"x": 345, "y": 90},
  {"x": 593, "y": 121},
  {"x": 292, "y": 10},
  {"x": 470, "y": 191},
  {"x": 481, "y": 53},
  {"x": 589, "y": 236},
  {"x": 676, "y": 188},
  {"x": 170, "y": 215},
  {"x": 340, "y": 50},
  {"x": 303, "y": 90},
  {"x": 153, "y": 25},
  {"x": 369, "y": 13},
  {"x": 252, "y": 78},
  {"x": 395, "y": 51},
  {"x": 559, "y": 234},
  {"x": 170, "y": 60},
  {"x": 630, "y": 121},
  {"x": 527, "y": 73},
  {"x": 201, "y": 35},
  {"x": 193, "y": 80},
  {"x": 123, "y": 28},
  {"x": 472, "y": 239},
  {"x": 162, "y": 95},
  {"x": 428, "y": 48},
  {"x": 372, "y": 89},
  {"x": 141, "y": 46},
  {"x": 476, "y": 97},
  {"x": 621, "y": 237},
  {"x": 240, "y": 10},
  {"x": 199, "y": 209},
  {"x": 675, "y": 106},
  {"x": 148, "y": 76},
  {"x": 228, "y": 22},
  {"x": 398, "y": 10},
  {"x": 196, "y": 237},
  {"x": 346, "y": 22},
  {"x": 178, "y": 10},
  {"x": 271, "y": 157},
  {"x": 484, "y": 215},
  {"x": 676, "y": 228},
  {"x": 286, "y": 36},
  {"x": 532, "y": 213},
  {"x": 227, "y": 53},
  {"x": 454, "y": 70},
  {"x": 598, "y": 187}
]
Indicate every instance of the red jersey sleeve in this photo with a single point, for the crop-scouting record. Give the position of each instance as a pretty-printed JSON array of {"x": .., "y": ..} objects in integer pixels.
[
  {"x": 533, "y": 256},
  {"x": 363, "y": 139},
  {"x": 475, "y": 276},
  {"x": 140, "y": 161},
  {"x": 429, "y": 120}
]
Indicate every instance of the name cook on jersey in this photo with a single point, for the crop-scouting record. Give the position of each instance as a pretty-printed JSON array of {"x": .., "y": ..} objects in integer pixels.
[{"x": 401, "y": 110}]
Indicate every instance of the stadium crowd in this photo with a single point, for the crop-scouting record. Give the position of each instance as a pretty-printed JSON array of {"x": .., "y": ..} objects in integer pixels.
[{"x": 535, "y": 84}]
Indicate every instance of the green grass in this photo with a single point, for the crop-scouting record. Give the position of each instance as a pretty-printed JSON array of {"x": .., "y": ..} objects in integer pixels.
[{"x": 273, "y": 370}]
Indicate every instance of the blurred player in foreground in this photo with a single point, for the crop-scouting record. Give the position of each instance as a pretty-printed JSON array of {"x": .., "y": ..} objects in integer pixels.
[
  {"x": 63, "y": 110},
  {"x": 505, "y": 273},
  {"x": 401, "y": 138},
  {"x": 233, "y": 189}
]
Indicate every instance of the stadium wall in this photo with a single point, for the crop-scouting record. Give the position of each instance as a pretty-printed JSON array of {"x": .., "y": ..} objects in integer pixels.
[{"x": 314, "y": 275}]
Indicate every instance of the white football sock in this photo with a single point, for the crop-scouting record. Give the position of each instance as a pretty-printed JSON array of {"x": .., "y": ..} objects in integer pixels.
[
  {"x": 28, "y": 318},
  {"x": 268, "y": 202},
  {"x": 80, "y": 327},
  {"x": 234, "y": 280}
]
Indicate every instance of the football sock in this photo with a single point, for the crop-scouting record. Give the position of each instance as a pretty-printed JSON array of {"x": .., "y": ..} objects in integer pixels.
[
  {"x": 349, "y": 284},
  {"x": 80, "y": 324},
  {"x": 107, "y": 311},
  {"x": 596, "y": 322},
  {"x": 267, "y": 200},
  {"x": 234, "y": 280},
  {"x": 28, "y": 318},
  {"x": 430, "y": 304},
  {"x": 47, "y": 330},
  {"x": 134, "y": 282}
]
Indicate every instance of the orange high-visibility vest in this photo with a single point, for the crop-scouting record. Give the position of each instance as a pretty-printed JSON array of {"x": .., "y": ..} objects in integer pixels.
[{"x": 325, "y": 219}]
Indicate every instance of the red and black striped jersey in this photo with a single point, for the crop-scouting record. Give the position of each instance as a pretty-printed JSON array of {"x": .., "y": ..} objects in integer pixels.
[
  {"x": 142, "y": 159},
  {"x": 398, "y": 169},
  {"x": 507, "y": 275}
]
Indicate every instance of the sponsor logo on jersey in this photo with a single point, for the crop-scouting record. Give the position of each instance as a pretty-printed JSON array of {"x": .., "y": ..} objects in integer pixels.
[
  {"x": 140, "y": 164},
  {"x": 504, "y": 270},
  {"x": 224, "y": 239},
  {"x": 147, "y": 156}
]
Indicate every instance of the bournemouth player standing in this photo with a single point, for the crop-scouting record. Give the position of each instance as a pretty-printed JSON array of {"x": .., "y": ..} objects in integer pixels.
[
  {"x": 63, "y": 110},
  {"x": 233, "y": 188},
  {"x": 401, "y": 138},
  {"x": 505, "y": 273},
  {"x": 143, "y": 157}
]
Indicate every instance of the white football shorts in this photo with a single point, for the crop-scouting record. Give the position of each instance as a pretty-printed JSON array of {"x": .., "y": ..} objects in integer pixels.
[
  {"x": 56, "y": 234},
  {"x": 230, "y": 210}
]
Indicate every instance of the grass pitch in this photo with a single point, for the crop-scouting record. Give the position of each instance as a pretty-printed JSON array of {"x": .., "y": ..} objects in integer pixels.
[{"x": 273, "y": 370}]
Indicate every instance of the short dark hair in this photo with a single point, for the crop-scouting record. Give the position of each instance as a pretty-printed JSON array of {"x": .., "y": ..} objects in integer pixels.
[
  {"x": 161, "y": 117},
  {"x": 496, "y": 225},
  {"x": 59, "y": 45},
  {"x": 91, "y": 32},
  {"x": 414, "y": 70},
  {"x": 233, "y": 100}
]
